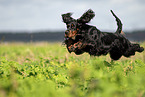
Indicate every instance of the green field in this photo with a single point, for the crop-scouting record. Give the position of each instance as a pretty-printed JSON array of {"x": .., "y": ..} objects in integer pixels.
[{"x": 48, "y": 70}]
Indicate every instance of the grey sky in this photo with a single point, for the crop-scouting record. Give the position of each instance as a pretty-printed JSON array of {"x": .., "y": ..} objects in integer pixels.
[{"x": 33, "y": 15}]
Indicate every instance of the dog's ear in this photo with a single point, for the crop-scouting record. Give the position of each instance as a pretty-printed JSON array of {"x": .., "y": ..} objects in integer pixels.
[
  {"x": 86, "y": 17},
  {"x": 67, "y": 17}
]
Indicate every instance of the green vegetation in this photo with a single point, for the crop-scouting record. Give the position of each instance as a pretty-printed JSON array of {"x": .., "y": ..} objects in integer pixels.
[{"x": 48, "y": 70}]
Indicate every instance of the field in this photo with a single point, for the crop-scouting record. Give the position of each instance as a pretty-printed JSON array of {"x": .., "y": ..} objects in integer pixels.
[{"x": 48, "y": 70}]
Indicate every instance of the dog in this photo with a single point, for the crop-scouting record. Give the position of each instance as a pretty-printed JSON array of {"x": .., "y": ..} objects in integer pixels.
[{"x": 81, "y": 37}]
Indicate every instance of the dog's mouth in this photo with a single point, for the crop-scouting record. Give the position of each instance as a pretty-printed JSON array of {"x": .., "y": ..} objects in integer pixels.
[
  {"x": 72, "y": 40},
  {"x": 71, "y": 34}
]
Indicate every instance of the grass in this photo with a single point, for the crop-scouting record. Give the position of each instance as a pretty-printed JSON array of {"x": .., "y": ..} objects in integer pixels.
[{"x": 48, "y": 70}]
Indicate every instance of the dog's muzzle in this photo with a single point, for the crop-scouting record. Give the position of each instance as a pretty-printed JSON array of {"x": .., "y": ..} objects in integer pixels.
[{"x": 71, "y": 34}]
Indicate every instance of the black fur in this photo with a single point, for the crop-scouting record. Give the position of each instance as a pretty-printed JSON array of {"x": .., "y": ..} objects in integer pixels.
[{"x": 81, "y": 37}]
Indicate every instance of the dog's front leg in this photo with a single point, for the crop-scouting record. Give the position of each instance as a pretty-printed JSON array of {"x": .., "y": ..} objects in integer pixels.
[{"x": 76, "y": 46}]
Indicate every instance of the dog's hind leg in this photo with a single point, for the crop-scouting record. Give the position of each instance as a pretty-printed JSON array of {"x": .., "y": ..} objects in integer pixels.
[
  {"x": 115, "y": 52},
  {"x": 138, "y": 48},
  {"x": 132, "y": 49}
]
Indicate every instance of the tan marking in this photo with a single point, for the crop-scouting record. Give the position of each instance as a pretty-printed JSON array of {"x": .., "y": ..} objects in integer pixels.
[
  {"x": 72, "y": 25},
  {"x": 71, "y": 34},
  {"x": 122, "y": 33},
  {"x": 78, "y": 45},
  {"x": 74, "y": 37}
]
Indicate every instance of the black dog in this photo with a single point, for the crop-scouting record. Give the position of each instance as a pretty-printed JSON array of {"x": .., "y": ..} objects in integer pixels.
[{"x": 81, "y": 37}]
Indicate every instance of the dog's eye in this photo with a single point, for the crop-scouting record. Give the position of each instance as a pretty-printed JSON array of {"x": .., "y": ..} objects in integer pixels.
[{"x": 72, "y": 26}]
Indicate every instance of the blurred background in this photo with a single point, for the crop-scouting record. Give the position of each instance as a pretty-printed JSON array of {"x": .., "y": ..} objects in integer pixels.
[{"x": 40, "y": 20}]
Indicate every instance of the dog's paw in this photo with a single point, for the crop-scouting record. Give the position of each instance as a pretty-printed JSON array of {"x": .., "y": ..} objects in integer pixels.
[
  {"x": 71, "y": 48},
  {"x": 141, "y": 49}
]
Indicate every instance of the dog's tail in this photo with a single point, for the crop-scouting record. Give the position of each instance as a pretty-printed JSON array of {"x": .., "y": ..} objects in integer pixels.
[{"x": 119, "y": 24}]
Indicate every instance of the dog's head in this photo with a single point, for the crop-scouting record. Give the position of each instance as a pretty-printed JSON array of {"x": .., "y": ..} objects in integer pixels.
[{"x": 74, "y": 25}]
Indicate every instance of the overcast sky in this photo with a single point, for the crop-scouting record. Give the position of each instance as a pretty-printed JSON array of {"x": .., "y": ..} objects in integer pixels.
[{"x": 34, "y": 15}]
